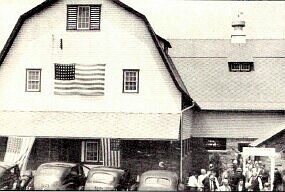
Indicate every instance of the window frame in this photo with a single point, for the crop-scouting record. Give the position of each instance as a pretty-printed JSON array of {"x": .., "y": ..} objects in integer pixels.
[
  {"x": 78, "y": 15},
  {"x": 241, "y": 66},
  {"x": 84, "y": 159},
  {"x": 85, "y": 152},
  {"x": 137, "y": 80},
  {"x": 27, "y": 89},
  {"x": 91, "y": 16}
]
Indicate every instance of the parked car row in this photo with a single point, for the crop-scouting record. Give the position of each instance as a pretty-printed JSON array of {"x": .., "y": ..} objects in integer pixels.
[{"x": 71, "y": 176}]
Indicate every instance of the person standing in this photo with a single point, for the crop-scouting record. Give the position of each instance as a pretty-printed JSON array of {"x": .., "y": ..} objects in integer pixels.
[
  {"x": 237, "y": 176},
  {"x": 225, "y": 186},
  {"x": 210, "y": 183},
  {"x": 264, "y": 174},
  {"x": 241, "y": 185},
  {"x": 200, "y": 179},
  {"x": 277, "y": 183},
  {"x": 193, "y": 182},
  {"x": 255, "y": 181}
]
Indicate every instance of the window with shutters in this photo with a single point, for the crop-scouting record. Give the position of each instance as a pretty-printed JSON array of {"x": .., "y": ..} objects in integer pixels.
[{"x": 83, "y": 17}]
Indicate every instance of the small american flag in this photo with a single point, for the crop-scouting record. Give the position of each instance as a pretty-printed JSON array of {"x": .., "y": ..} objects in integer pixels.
[
  {"x": 111, "y": 152},
  {"x": 18, "y": 150},
  {"x": 79, "y": 79}
]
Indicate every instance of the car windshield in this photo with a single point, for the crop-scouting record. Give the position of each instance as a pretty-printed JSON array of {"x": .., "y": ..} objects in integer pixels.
[
  {"x": 159, "y": 181},
  {"x": 52, "y": 171},
  {"x": 101, "y": 178}
]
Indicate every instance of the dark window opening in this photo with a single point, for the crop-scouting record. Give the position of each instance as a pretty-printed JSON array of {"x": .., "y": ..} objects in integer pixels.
[
  {"x": 145, "y": 149},
  {"x": 215, "y": 143},
  {"x": 241, "y": 145},
  {"x": 241, "y": 66}
]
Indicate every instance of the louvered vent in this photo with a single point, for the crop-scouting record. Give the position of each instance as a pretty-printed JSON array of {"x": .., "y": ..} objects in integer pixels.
[
  {"x": 95, "y": 14},
  {"x": 72, "y": 17}
]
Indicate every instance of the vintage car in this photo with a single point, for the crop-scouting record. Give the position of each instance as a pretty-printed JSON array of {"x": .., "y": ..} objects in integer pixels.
[
  {"x": 107, "y": 178},
  {"x": 59, "y": 176},
  {"x": 9, "y": 176},
  {"x": 159, "y": 180}
]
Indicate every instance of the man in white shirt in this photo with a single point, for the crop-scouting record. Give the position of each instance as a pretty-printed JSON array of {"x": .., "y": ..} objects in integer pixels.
[
  {"x": 201, "y": 178},
  {"x": 193, "y": 182}
]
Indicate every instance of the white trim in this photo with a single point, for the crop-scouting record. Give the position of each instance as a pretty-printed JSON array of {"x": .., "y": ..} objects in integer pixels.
[
  {"x": 136, "y": 71},
  {"x": 82, "y": 150},
  {"x": 29, "y": 80},
  {"x": 85, "y": 151}
]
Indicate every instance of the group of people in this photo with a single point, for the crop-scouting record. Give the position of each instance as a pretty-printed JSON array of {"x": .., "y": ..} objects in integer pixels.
[{"x": 253, "y": 177}]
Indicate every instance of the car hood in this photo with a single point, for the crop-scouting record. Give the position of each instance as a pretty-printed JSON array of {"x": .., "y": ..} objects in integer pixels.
[
  {"x": 155, "y": 188},
  {"x": 46, "y": 182}
]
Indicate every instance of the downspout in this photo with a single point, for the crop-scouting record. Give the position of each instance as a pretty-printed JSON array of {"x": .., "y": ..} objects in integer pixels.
[{"x": 181, "y": 138}]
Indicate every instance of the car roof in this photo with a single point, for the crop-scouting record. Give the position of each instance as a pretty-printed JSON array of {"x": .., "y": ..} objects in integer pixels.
[
  {"x": 160, "y": 173},
  {"x": 58, "y": 164},
  {"x": 112, "y": 170},
  {"x": 7, "y": 165}
]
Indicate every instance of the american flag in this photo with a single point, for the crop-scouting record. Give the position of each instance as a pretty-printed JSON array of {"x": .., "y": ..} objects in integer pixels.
[
  {"x": 111, "y": 152},
  {"x": 18, "y": 150},
  {"x": 79, "y": 79}
]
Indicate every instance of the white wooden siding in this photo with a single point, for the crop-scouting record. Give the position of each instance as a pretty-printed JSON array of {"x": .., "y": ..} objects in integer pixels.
[
  {"x": 187, "y": 124},
  {"x": 235, "y": 124},
  {"x": 123, "y": 42}
]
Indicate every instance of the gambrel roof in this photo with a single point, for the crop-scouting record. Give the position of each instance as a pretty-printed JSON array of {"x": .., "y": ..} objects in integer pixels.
[
  {"x": 204, "y": 69},
  {"x": 169, "y": 65}
]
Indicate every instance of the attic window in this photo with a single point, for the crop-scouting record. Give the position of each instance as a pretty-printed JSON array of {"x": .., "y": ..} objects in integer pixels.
[
  {"x": 83, "y": 17},
  {"x": 241, "y": 66}
]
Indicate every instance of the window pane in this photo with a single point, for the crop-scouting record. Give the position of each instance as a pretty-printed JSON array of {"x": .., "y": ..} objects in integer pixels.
[
  {"x": 91, "y": 151},
  {"x": 33, "y": 80},
  {"x": 130, "y": 81},
  {"x": 83, "y": 17}
]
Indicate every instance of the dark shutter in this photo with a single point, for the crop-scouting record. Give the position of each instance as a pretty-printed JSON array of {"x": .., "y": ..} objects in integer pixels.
[
  {"x": 71, "y": 17},
  {"x": 95, "y": 13}
]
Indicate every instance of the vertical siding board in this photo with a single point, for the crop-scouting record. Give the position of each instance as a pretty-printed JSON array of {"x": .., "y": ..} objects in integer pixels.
[{"x": 187, "y": 124}]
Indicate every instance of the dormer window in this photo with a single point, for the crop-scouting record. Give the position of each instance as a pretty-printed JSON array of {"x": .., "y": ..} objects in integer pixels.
[
  {"x": 83, "y": 17},
  {"x": 241, "y": 66}
]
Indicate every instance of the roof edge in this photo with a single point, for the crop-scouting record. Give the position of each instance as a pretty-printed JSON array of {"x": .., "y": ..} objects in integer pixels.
[
  {"x": 261, "y": 141},
  {"x": 18, "y": 26}
]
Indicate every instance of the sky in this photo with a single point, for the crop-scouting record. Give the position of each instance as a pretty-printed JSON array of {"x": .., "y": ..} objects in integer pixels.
[{"x": 183, "y": 19}]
